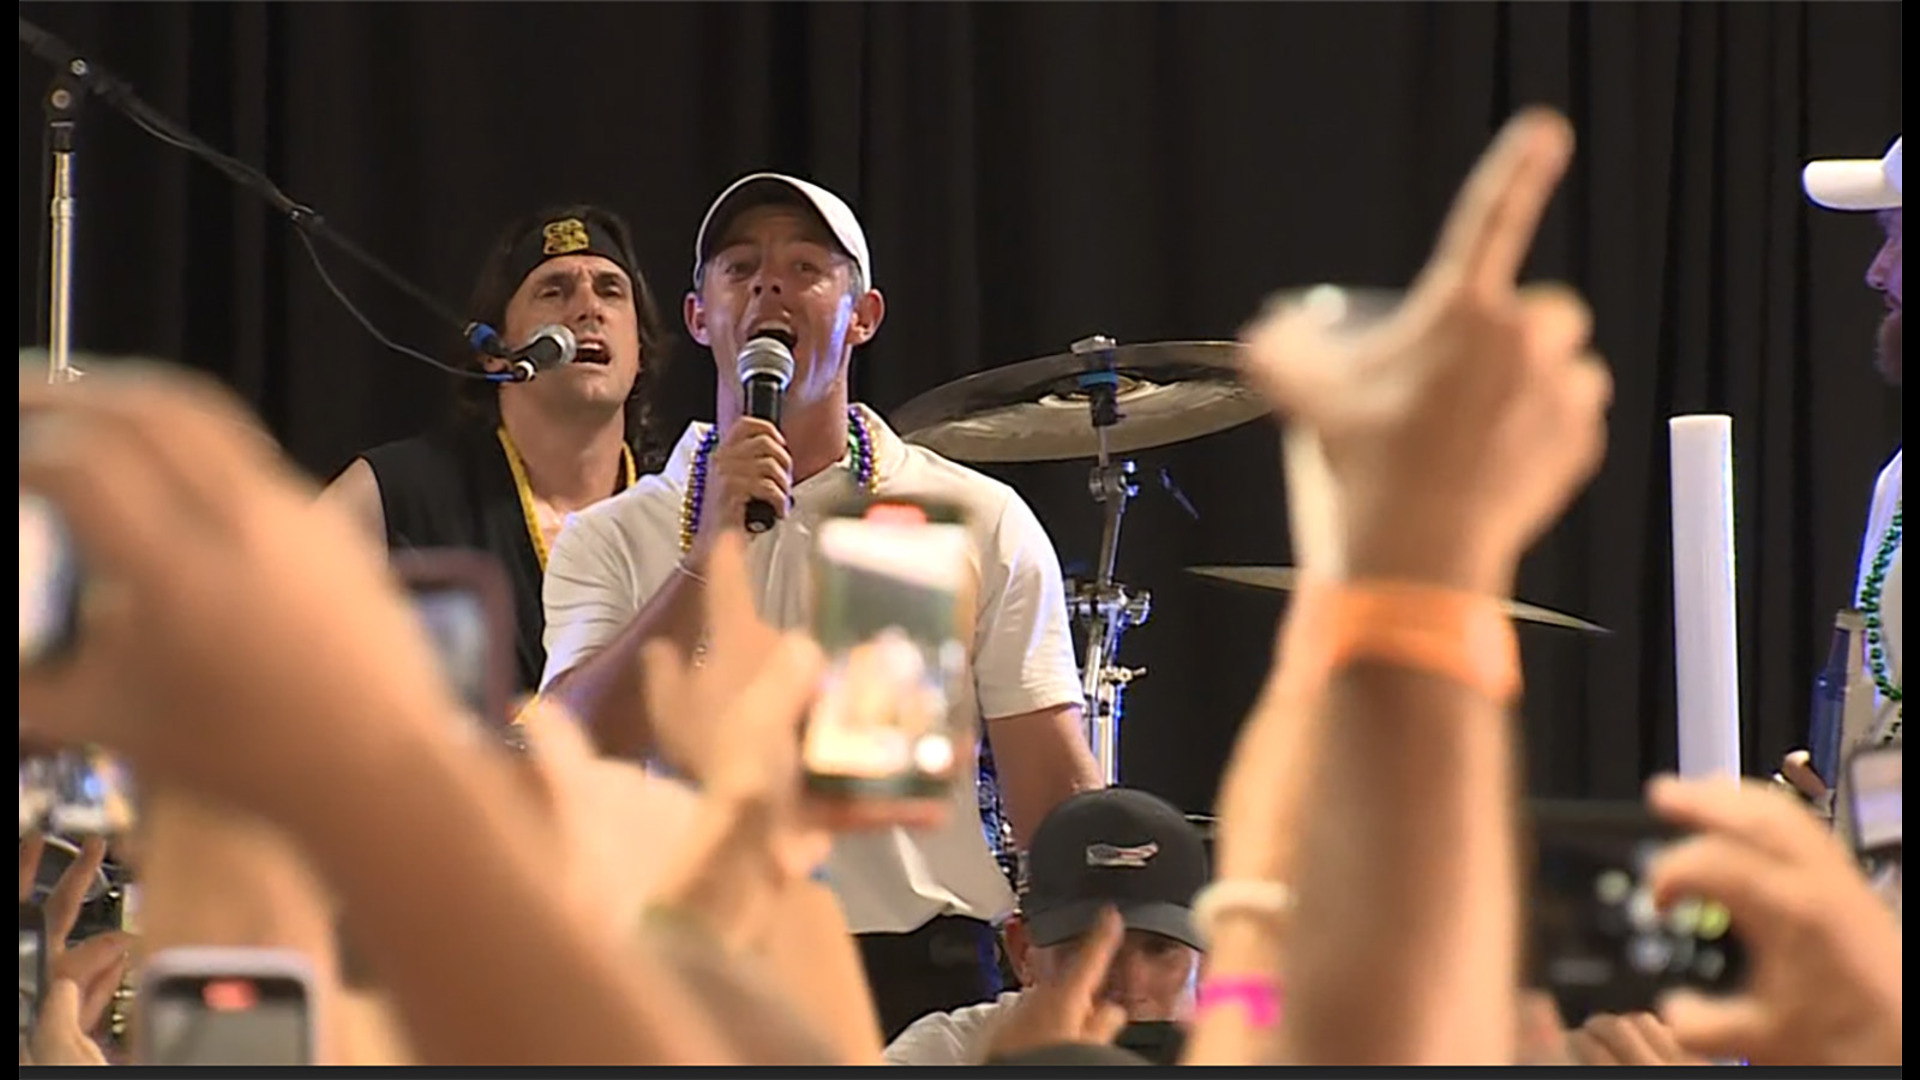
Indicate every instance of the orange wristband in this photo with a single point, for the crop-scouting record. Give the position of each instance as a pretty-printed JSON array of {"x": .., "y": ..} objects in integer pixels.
[{"x": 1463, "y": 637}]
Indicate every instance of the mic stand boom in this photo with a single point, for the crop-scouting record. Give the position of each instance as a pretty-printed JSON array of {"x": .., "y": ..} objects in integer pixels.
[{"x": 79, "y": 79}]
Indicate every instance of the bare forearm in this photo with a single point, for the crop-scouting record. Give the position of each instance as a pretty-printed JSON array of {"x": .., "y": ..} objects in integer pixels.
[
  {"x": 1243, "y": 948},
  {"x": 211, "y": 875},
  {"x": 607, "y": 691},
  {"x": 1042, "y": 760},
  {"x": 1408, "y": 879},
  {"x": 455, "y": 884},
  {"x": 812, "y": 957},
  {"x": 724, "y": 874}
]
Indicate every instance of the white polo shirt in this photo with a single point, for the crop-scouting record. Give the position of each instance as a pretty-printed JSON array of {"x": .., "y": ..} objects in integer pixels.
[
  {"x": 612, "y": 557},
  {"x": 1886, "y": 500}
]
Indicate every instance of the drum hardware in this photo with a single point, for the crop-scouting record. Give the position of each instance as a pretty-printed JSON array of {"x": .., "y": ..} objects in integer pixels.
[
  {"x": 1099, "y": 400},
  {"x": 1284, "y": 578},
  {"x": 1160, "y": 393}
]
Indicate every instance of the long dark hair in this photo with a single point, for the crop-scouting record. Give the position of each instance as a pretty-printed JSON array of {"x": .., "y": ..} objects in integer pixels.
[{"x": 495, "y": 287}]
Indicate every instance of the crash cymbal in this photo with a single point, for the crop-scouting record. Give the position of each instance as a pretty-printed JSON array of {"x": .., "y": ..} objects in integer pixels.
[
  {"x": 1282, "y": 578},
  {"x": 1035, "y": 410}
]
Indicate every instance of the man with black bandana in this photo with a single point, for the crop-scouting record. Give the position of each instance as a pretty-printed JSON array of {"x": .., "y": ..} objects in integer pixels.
[{"x": 520, "y": 457}]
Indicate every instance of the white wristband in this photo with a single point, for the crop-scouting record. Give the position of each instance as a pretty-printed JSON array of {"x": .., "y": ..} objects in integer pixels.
[{"x": 1269, "y": 900}]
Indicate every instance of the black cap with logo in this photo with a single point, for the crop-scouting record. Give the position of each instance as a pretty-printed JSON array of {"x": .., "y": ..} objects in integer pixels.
[{"x": 1116, "y": 848}]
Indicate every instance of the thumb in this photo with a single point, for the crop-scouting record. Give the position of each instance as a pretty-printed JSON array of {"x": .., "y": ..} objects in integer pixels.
[
  {"x": 1543, "y": 1034},
  {"x": 60, "y": 1009},
  {"x": 99, "y": 996},
  {"x": 1713, "y": 1028},
  {"x": 1105, "y": 1023}
]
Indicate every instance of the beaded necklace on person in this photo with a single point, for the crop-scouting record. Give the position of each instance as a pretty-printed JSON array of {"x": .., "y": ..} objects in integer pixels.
[
  {"x": 1870, "y": 597},
  {"x": 630, "y": 475},
  {"x": 859, "y": 446}
]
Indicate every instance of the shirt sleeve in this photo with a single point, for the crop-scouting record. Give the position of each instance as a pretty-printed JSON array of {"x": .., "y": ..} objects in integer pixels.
[
  {"x": 962, "y": 1037},
  {"x": 1024, "y": 658},
  {"x": 590, "y": 593},
  {"x": 930, "y": 1040}
]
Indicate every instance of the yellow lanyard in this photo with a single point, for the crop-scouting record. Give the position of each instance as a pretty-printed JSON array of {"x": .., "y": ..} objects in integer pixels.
[{"x": 524, "y": 489}]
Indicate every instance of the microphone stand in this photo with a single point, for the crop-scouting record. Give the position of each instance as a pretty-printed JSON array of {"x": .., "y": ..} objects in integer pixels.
[
  {"x": 79, "y": 79},
  {"x": 62, "y": 105}
]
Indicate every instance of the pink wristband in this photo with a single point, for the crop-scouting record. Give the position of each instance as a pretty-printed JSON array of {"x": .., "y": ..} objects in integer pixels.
[{"x": 1258, "y": 995}]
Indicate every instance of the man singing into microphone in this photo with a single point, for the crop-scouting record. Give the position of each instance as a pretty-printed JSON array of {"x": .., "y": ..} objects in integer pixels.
[
  {"x": 781, "y": 256},
  {"x": 522, "y": 456}
]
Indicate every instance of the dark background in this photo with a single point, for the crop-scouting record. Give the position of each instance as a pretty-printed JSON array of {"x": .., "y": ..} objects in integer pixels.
[{"x": 1032, "y": 173}]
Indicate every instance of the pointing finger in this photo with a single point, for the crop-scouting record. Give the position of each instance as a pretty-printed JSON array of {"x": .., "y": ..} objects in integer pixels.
[{"x": 1493, "y": 221}]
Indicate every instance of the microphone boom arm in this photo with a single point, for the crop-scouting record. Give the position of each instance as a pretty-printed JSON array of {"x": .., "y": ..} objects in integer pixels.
[{"x": 121, "y": 97}]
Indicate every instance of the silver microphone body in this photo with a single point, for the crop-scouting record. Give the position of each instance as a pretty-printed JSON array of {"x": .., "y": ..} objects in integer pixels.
[
  {"x": 765, "y": 367},
  {"x": 550, "y": 346}
]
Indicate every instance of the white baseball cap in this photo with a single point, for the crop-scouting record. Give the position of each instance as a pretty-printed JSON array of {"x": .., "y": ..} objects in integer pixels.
[
  {"x": 1856, "y": 183},
  {"x": 762, "y": 188}
]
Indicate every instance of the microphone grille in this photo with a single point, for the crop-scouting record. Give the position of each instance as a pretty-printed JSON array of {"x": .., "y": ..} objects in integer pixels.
[
  {"x": 563, "y": 337},
  {"x": 766, "y": 356}
]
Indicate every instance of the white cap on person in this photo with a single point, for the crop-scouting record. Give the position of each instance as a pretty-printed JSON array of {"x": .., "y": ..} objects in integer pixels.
[
  {"x": 759, "y": 189},
  {"x": 1855, "y": 183}
]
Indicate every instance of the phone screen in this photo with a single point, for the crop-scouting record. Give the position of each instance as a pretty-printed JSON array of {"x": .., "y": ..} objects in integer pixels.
[
  {"x": 83, "y": 791},
  {"x": 888, "y": 584},
  {"x": 462, "y": 600},
  {"x": 1598, "y": 944},
  {"x": 33, "y": 965},
  {"x": 457, "y": 621},
  {"x": 49, "y": 582},
  {"x": 226, "y": 1020},
  {"x": 1874, "y": 790}
]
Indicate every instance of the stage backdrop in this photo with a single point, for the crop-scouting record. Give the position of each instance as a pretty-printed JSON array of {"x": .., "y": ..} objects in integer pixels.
[{"x": 1032, "y": 173}]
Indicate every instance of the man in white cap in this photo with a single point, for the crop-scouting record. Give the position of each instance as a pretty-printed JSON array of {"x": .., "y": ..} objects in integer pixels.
[
  {"x": 1872, "y": 186},
  {"x": 784, "y": 257}
]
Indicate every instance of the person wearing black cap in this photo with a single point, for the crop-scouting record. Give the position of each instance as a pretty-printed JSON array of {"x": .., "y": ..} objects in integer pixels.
[
  {"x": 520, "y": 457},
  {"x": 782, "y": 257},
  {"x": 1114, "y": 848}
]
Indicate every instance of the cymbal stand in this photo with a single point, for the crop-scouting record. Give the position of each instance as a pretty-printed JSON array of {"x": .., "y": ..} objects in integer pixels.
[
  {"x": 62, "y": 104},
  {"x": 1105, "y": 608}
]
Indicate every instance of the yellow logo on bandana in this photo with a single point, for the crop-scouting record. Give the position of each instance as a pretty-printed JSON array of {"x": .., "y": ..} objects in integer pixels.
[{"x": 565, "y": 236}]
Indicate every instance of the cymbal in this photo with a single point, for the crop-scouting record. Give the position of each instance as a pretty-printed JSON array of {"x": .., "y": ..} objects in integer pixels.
[
  {"x": 1034, "y": 410},
  {"x": 1282, "y": 578}
]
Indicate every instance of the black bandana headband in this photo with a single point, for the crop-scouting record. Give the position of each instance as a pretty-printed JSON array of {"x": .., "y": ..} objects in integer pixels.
[{"x": 566, "y": 236}]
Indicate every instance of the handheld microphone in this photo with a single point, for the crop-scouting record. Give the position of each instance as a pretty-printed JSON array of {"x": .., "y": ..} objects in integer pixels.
[
  {"x": 550, "y": 347},
  {"x": 765, "y": 367}
]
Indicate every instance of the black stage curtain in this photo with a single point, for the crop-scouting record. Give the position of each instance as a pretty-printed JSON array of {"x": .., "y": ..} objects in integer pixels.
[{"x": 1032, "y": 173}]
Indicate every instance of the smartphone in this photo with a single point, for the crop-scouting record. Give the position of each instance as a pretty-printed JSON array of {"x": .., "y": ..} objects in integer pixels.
[
  {"x": 463, "y": 600},
  {"x": 33, "y": 965},
  {"x": 1596, "y": 940},
  {"x": 83, "y": 791},
  {"x": 50, "y": 582},
  {"x": 889, "y": 579},
  {"x": 57, "y": 854},
  {"x": 226, "y": 1006},
  {"x": 1873, "y": 796}
]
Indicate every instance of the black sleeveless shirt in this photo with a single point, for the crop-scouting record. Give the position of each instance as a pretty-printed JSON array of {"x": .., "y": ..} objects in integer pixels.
[{"x": 453, "y": 488}]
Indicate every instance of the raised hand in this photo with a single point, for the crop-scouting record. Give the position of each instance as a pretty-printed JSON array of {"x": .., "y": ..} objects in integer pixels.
[
  {"x": 96, "y": 965},
  {"x": 1458, "y": 428},
  {"x": 1823, "y": 984},
  {"x": 223, "y": 606},
  {"x": 1070, "y": 1010}
]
